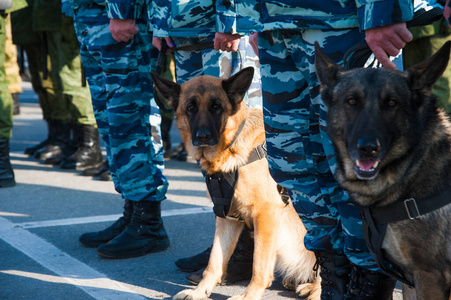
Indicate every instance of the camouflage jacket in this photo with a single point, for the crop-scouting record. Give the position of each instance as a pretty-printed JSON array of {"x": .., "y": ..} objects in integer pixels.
[
  {"x": 116, "y": 9},
  {"x": 194, "y": 18},
  {"x": 238, "y": 16}
]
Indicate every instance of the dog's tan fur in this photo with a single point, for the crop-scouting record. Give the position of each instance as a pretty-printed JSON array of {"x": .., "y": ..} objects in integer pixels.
[{"x": 278, "y": 230}]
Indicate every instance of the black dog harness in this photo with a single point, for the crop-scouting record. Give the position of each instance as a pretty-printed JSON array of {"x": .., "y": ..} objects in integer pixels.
[
  {"x": 376, "y": 219},
  {"x": 221, "y": 186}
]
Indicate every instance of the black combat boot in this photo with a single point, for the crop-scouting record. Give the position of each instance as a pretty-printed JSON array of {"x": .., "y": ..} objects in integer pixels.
[
  {"x": 102, "y": 172},
  {"x": 144, "y": 234},
  {"x": 95, "y": 239},
  {"x": 58, "y": 146},
  {"x": 369, "y": 285},
  {"x": 335, "y": 270},
  {"x": 6, "y": 170},
  {"x": 88, "y": 153},
  {"x": 34, "y": 149},
  {"x": 16, "y": 104},
  {"x": 239, "y": 266}
]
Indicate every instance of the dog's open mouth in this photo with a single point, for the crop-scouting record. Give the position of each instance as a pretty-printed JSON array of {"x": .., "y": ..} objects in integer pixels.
[{"x": 366, "y": 169}]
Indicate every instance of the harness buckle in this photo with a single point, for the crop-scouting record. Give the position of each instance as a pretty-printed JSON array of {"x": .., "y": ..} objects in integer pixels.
[{"x": 412, "y": 209}]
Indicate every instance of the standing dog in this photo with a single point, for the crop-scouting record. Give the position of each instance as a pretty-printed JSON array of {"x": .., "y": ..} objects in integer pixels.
[
  {"x": 393, "y": 150},
  {"x": 221, "y": 132}
]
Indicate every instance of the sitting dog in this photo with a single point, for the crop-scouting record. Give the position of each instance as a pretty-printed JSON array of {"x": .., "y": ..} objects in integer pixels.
[
  {"x": 227, "y": 139},
  {"x": 393, "y": 148}
]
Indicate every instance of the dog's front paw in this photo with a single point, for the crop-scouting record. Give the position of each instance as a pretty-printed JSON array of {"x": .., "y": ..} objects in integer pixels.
[
  {"x": 190, "y": 295},
  {"x": 310, "y": 291}
]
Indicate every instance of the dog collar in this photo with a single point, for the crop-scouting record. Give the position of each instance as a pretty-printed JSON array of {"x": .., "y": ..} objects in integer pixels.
[
  {"x": 410, "y": 208},
  {"x": 237, "y": 133}
]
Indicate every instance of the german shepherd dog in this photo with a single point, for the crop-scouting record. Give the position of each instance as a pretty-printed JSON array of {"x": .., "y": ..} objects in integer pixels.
[
  {"x": 393, "y": 148},
  {"x": 210, "y": 113}
]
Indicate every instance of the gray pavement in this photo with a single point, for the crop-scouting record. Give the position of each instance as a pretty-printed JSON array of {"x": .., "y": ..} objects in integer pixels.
[{"x": 42, "y": 217}]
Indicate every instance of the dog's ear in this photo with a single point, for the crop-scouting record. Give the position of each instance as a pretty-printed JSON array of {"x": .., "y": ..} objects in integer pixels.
[
  {"x": 237, "y": 85},
  {"x": 326, "y": 71},
  {"x": 424, "y": 75},
  {"x": 168, "y": 89}
]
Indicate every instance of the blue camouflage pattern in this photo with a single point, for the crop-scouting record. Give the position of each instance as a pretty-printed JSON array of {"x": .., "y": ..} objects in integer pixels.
[
  {"x": 122, "y": 96},
  {"x": 222, "y": 64},
  {"x": 241, "y": 16},
  {"x": 181, "y": 18}
]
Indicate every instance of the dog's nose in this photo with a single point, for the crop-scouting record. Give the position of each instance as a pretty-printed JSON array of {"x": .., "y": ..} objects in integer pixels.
[
  {"x": 203, "y": 136},
  {"x": 368, "y": 147}
]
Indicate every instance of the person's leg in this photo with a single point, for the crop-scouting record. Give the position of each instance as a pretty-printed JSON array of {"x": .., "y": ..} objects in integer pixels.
[
  {"x": 78, "y": 101},
  {"x": 59, "y": 145},
  {"x": 133, "y": 132},
  {"x": 12, "y": 68},
  {"x": 6, "y": 115}
]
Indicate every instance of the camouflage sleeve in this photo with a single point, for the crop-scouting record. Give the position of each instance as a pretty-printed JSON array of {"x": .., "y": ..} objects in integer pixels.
[
  {"x": 124, "y": 9},
  {"x": 226, "y": 16},
  {"x": 374, "y": 13},
  {"x": 160, "y": 17}
]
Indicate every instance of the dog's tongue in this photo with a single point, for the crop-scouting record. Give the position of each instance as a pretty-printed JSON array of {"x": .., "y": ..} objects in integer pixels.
[{"x": 366, "y": 165}]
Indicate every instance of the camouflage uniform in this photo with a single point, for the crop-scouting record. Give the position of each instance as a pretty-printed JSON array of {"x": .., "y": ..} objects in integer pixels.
[
  {"x": 6, "y": 101},
  {"x": 300, "y": 154},
  {"x": 192, "y": 23},
  {"x": 11, "y": 65},
  {"x": 61, "y": 95},
  {"x": 126, "y": 113}
]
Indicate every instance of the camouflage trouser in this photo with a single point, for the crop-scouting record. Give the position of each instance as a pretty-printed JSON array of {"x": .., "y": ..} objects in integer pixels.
[
  {"x": 6, "y": 101},
  {"x": 219, "y": 64},
  {"x": 61, "y": 94},
  {"x": 122, "y": 96},
  {"x": 11, "y": 65},
  {"x": 300, "y": 154}
]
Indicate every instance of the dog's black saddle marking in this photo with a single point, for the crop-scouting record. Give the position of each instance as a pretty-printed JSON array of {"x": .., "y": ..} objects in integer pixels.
[
  {"x": 221, "y": 186},
  {"x": 375, "y": 220}
]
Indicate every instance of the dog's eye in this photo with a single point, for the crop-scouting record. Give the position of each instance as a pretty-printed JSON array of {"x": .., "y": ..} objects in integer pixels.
[
  {"x": 352, "y": 101},
  {"x": 392, "y": 102},
  {"x": 191, "y": 107}
]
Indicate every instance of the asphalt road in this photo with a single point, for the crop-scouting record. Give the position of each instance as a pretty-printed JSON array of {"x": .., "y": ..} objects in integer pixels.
[{"x": 42, "y": 217}]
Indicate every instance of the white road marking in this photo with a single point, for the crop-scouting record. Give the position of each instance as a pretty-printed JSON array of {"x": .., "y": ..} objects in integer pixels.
[
  {"x": 65, "y": 266},
  {"x": 107, "y": 218},
  {"x": 69, "y": 269}
]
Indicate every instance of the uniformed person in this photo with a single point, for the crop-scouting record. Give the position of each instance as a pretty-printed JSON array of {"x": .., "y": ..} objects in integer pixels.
[
  {"x": 6, "y": 102},
  {"x": 52, "y": 49},
  {"x": 117, "y": 53}
]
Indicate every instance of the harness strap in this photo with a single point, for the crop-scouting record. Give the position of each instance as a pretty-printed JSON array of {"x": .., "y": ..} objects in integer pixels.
[
  {"x": 376, "y": 219},
  {"x": 374, "y": 236},
  {"x": 221, "y": 186},
  {"x": 410, "y": 208}
]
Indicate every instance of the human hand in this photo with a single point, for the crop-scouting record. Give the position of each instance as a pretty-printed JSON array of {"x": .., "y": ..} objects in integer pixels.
[
  {"x": 226, "y": 41},
  {"x": 387, "y": 41},
  {"x": 253, "y": 40},
  {"x": 123, "y": 30},
  {"x": 156, "y": 42}
]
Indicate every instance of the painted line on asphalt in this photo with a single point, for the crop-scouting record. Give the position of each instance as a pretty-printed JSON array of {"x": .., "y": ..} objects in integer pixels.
[
  {"x": 70, "y": 270},
  {"x": 107, "y": 218}
]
